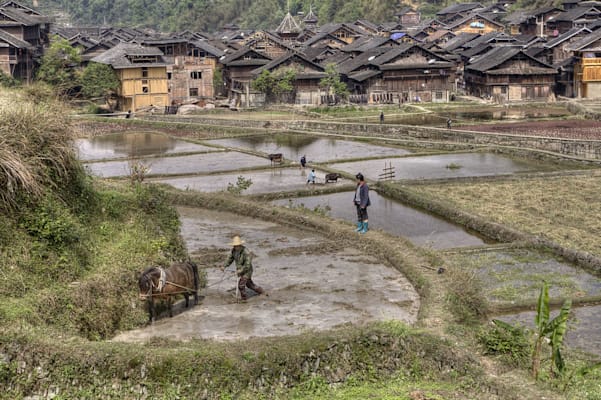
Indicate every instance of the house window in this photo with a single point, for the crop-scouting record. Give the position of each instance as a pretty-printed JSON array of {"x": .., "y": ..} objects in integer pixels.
[
  {"x": 144, "y": 72},
  {"x": 169, "y": 75},
  {"x": 193, "y": 92},
  {"x": 144, "y": 89},
  {"x": 195, "y": 75},
  {"x": 438, "y": 95},
  {"x": 144, "y": 81},
  {"x": 503, "y": 89}
]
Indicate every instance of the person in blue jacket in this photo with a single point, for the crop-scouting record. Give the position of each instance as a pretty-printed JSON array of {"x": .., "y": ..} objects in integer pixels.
[{"x": 361, "y": 201}]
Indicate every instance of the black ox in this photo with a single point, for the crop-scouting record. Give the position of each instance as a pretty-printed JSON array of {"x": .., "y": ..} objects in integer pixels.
[{"x": 332, "y": 177}]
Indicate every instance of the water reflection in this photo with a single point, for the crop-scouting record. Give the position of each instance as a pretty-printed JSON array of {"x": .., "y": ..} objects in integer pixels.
[
  {"x": 439, "y": 166},
  {"x": 195, "y": 163},
  {"x": 133, "y": 145},
  {"x": 420, "y": 228},
  {"x": 316, "y": 149}
]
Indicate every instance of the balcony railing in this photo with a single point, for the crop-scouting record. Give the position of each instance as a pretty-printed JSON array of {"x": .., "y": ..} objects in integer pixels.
[{"x": 591, "y": 61}]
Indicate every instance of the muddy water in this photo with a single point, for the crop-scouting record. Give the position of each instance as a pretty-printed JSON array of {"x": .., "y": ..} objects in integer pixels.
[
  {"x": 420, "y": 228},
  {"x": 316, "y": 149},
  {"x": 134, "y": 144},
  {"x": 516, "y": 275},
  {"x": 583, "y": 326},
  {"x": 190, "y": 164},
  {"x": 268, "y": 181},
  {"x": 312, "y": 282},
  {"x": 438, "y": 166}
]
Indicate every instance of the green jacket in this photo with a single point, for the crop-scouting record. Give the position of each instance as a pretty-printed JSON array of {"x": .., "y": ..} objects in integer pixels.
[{"x": 244, "y": 266}]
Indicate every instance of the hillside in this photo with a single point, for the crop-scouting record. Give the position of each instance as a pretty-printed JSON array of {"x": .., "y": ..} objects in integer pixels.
[{"x": 212, "y": 15}]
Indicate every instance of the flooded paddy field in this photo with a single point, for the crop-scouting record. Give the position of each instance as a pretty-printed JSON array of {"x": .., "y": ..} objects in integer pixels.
[
  {"x": 420, "y": 228},
  {"x": 313, "y": 283},
  {"x": 134, "y": 144},
  {"x": 188, "y": 164},
  {"x": 583, "y": 326},
  {"x": 515, "y": 276},
  {"x": 263, "y": 181},
  {"x": 316, "y": 149},
  {"x": 456, "y": 165}
]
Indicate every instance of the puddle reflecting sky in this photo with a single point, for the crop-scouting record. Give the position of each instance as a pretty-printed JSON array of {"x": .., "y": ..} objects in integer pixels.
[
  {"x": 434, "y": 167},
  {"x": 316, "y": 149},
  {"x": 133, "y": 144},
  {"x": 196, "y": 163},
  {"x": 420, "y": 228}
]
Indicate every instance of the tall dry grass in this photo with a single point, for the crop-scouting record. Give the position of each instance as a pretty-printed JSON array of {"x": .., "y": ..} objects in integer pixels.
[{"x": 36, "y": 147}]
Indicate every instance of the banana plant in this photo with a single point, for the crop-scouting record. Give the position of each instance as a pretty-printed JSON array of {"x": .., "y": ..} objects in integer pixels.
[{"x": 553, "y": 330}]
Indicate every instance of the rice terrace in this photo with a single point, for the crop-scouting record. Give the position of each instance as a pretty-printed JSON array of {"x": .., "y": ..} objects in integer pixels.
[{"x": 483, "y": 240}]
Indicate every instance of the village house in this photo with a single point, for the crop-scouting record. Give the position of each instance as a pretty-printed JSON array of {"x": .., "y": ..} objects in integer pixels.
[
  {"x": 587, "y": 68},
  {"x": 142, "y": 72},
  {"x": 476, "y": 23},
  {"x": 507, "y": 74},
  {"x": 307, "y": 77},
  {"x": 238, "y": 74},
  {"x": 408, "y": 17},
  {"x": 23, "y": 35}
]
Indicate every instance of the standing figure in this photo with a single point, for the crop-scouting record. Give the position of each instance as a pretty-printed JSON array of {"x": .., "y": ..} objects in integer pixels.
[
  {"x": 361, "y": 201},
  {"x": 382, "y": 117},
  {"x": 449, "y": 123},
  {"x": 244, "y": 267},
  {"x": 303, "y": 161},
  {"x": 311, "y": 177}
]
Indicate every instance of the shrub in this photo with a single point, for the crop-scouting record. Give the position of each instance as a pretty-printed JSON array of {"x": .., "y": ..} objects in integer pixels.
[{"x": 511, "y": 342}]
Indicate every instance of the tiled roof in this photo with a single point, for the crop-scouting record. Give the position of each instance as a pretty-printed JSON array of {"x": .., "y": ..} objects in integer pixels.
[{"x": 117, "y": 56}]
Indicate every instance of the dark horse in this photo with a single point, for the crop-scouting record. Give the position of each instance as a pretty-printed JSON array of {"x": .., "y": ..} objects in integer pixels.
[{"x": 165, "y": 284}]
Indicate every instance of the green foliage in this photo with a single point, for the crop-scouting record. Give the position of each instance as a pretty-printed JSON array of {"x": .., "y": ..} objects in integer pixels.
[
  {"x": 59, "y": 66},
  {"x": 218, "y": 81},
  {"x": 332, "y": 84},
  {"x": 511, "y": 342},
  {"x": 275, "y": 84},
  {"x": 98, "y": 80},
  {"x": 8, "y": 81},
  {"x": 553, "y": 330},
  {"x": 52, "y": 222},
  {"x": 241, "y": 185},
  {"x": 211, "y": 16}
]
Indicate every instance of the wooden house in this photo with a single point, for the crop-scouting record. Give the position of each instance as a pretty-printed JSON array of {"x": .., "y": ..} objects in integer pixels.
[
  {"x": 587, "y": 68},
  {"x": 405, "y": 73},
  {"x": 476, "y": 23},
  {"x": 454, "y": 11},
  {"x": 408, "y": 17},
  {"x": 142, "y": 72},
  {"x": 508, "y": 74},
  {"x": 577, "y": 17},
  {"x": 307, "y": 77},
  {"x": 268, "y": 43},
  {"x": 237, "y": 75},
  {"x": 345, "y": 32}
]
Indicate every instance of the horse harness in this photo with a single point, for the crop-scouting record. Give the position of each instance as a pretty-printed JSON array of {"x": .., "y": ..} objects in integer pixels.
[{"x": 161, "y": 285}]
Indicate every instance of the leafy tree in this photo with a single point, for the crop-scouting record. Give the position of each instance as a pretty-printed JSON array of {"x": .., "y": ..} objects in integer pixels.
[
  {"x": 59, "y": 66},
  {"x": 332, "y": 84},
  {"x": 99, "y": 80},
  {"x": 275, "y": 85}
]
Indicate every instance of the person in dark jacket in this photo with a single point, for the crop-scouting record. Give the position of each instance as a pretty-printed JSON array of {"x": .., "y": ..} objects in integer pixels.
[
  {"x": 244, "y": 267},
  {"x": 361, "y": 201}
]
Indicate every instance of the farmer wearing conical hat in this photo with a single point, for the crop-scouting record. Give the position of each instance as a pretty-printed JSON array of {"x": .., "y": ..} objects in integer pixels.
[{"x": 244, "y": 267}]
